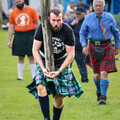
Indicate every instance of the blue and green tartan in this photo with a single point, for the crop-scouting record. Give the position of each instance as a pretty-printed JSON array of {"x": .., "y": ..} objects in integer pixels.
[{"x": 65, "y": 84}]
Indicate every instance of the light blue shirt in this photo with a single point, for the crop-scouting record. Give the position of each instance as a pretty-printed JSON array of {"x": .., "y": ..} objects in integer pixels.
[{"x": 92, "y": 27}]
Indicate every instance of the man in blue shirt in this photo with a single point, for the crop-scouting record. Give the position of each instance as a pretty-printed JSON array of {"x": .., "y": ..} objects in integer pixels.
[
  {"x": 79, "y": 56},
  {"x": 100, "y": 26}
]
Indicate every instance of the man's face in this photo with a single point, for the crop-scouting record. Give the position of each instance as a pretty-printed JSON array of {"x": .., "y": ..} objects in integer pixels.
[
  {"x": 55, "y": 3},
  {"x": 80, "y": 2},
  {"x": 19, "y": 4},
  {"x": 56, "y": 21},
  {"x": 79, "y": 16},
  {"x": 72, "y": 4},
  {"x": 98, "y": 7}
]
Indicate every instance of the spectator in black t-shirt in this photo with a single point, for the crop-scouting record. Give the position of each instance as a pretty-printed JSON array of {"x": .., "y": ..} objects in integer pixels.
[{"x": 62, "y": 82}]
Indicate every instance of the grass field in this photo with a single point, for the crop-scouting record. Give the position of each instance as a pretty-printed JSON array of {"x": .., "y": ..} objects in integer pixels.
[{"x": 17, "y": 104}]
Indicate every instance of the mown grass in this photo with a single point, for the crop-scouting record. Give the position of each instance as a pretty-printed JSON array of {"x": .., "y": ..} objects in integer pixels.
[{"x": 17, "y": 104}]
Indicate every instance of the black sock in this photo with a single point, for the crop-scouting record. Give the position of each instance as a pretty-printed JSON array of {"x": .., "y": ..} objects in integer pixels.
[
  {"x": 57, "y": 113},
  {"x": 44, "y": 104}
]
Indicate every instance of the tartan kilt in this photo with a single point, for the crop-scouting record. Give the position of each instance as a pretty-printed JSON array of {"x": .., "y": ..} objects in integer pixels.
[
  {"x": 107, "y": 63},
  {"x": 65, "y": 84},
  {"x": 22, "y": 43}
]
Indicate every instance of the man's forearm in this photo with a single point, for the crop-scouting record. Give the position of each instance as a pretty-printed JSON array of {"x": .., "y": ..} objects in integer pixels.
[
  {"x": 10, "y": 33},
  {"x": 38, "y": 59},
  {"x": 70, "y": 50},
  {"x": 66, "y": 63},
  {"x": 37, "y": 23}
]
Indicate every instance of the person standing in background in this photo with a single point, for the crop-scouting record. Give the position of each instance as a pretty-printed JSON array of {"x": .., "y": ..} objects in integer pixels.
[
  {"x": 79, "y": 56},
  {"x": 10, "y": 3},
  {"x": 109, "y": 4},
  {"x": 24, "y": 21},
  {"x": 89, "y": 2},
  {"x": 66, "y": 17},
  {"x": 86, "y": 7},
  {"x": 100, "y": 26},
  {"x": 56, "y": 5},
  {"x": 71, "y": 5}
]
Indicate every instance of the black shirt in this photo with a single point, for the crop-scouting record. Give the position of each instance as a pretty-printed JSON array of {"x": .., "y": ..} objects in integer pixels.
[
  {"x": 76, "y": 29},
  {"x": 64, "y": 37}
]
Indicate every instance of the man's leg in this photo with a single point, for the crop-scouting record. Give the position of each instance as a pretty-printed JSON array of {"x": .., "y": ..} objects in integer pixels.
[
  {"x": 44, "y": 101},
  {"x": 20, "y": 67},
  {"x": 80, "y": 60},
  {"x": 96, "y": 80},
  {"x": 32, "y": 65},
  {"x": 58, "y": 107},
  {"x": 104, "y": 84}
]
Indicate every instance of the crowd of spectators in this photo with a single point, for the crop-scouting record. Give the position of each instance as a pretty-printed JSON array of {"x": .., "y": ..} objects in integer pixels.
[{"x": 68, "y": 14}]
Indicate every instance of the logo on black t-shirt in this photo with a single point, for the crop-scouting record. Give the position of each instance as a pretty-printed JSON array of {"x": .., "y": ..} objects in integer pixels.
[{"x": 58, "y": 45}]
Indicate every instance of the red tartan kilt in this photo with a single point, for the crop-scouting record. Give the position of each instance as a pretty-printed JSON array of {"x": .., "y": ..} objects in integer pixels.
[{"x": 105, "y": 64}]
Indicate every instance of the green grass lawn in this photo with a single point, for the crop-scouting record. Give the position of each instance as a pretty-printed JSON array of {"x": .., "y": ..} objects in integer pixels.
[{"x": 17, "y": 104}]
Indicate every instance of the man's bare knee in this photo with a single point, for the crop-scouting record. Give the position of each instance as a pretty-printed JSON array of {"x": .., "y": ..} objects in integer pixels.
[
  {"x": 104, "y": 75},
  {"x": 59, "y": 101},
  {"x": 21, "y": 59},
  {"x": 97, "y": 76},
  {"x": 42, "y": 90},
  {"x": 31, "y": 59}
]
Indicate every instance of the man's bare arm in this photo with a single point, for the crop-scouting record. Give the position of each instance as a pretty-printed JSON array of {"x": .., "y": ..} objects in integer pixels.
[
  {"x": 70, "y": 57},
  {"x": 37, "y": 22},
  {"x": 10, "y": 34},
  {"x": 36, "y": 46}
]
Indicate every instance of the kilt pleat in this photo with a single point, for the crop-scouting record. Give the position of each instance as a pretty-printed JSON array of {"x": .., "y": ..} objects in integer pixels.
[
  {"x": 65, "y": 84},
  {"x": 107, "y": 63},
  {"x": 22, "y": 43}
]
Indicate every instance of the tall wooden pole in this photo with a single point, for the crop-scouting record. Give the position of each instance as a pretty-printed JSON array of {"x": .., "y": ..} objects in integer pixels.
[
  {"x": 0, "y": 13},
  {"x": 47, "y": 35}
]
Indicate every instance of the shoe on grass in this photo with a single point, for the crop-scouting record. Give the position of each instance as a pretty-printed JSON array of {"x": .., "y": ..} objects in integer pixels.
[
  {"x": 19, "y": 79},
  {"x": 102, "y": 100},
  {"x": 98, "y": 96}
]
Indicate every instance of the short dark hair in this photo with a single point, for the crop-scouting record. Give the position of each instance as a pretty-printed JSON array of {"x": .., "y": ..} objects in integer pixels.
[{"x": 55, "y": 11}]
